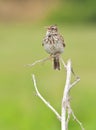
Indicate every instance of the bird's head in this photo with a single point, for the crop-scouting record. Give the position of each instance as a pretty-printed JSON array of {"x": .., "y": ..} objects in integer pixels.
[{"x": 52, "y": 29}]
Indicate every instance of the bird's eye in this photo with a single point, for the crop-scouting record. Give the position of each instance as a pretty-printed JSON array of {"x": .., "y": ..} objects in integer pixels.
[{"x": 52, "y": 28}]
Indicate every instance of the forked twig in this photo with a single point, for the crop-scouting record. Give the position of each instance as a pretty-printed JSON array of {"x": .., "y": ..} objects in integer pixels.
[
  {"x": 66, "y": 110},
  {"x": 75, "y": 82}
]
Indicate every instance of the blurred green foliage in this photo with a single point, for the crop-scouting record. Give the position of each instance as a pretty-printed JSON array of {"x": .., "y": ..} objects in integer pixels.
[
  {"x": 20, "y": 44},
  {"x": 74, "y": 11},
  {"x": 20, "y": 109}
]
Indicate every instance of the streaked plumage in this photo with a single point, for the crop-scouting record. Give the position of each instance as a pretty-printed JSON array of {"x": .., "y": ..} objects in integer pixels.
[{"x": 54, "y": 44}]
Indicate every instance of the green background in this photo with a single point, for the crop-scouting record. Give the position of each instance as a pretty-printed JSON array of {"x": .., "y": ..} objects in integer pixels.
[{"x": 20, "y": 44}]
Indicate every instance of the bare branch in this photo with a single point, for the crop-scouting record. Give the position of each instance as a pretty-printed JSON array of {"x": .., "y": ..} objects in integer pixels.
[
  {"x": 38, "y": 61},
  {"x": 64, "y": 125},
  {"x": 75, "y": 118},
  {"x": 66, "y": 108},
  {"x": 69, "y": 115},
  {"x": 75, "y": 82},
  {"x": 42, "y": 98}
]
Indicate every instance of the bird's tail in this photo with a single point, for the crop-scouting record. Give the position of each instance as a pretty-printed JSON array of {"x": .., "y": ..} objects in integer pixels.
[{"x": 56, "y": 63}]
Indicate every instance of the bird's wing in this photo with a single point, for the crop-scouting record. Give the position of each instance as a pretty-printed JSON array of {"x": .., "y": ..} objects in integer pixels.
[{"x": 62, "y": 40}]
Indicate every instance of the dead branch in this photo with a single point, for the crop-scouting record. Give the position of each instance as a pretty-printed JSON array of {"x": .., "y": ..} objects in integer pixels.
[
  {"x": 66, "y": 110},
  {"x": 42, "y": 98}
]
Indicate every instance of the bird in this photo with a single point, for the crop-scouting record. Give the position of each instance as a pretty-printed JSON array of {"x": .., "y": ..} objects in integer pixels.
[{"x": 54, "y": 44}]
